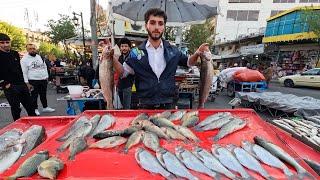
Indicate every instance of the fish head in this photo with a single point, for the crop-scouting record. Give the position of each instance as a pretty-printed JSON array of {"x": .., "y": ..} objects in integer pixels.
[
  {"x": 258, "y": 140},
  {"x": 214, "y": 148}
]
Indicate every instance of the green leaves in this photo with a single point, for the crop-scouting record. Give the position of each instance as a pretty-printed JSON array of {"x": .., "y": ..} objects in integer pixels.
[
  {"x": 18, "y": 40},
  {"x": 51, "y": 49},
  {"x": 312, "y": 18}
]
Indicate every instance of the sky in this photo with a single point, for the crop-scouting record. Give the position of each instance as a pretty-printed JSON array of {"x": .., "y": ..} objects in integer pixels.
[{"x": 40, "y": 11}]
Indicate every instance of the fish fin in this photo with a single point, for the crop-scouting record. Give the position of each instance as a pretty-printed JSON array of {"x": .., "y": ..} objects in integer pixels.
[{"x": 305, "y": 174}]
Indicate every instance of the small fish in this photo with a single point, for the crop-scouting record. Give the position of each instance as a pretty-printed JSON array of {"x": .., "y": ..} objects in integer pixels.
[
  {"x": 173, "y": 134},
  {"x": 229, "y": 161},
  {"x": 248, "y": 161},
  {"x": 172, "y": 164},
  {"x": 192, "y": 162},
  {"x": 281, "y": 154},
  {"x": 212, "y": 162},
  {"x": 177, "y": 115},
  {"x": 148, "y": 162},
  {"x": 165, "y": 114},
  {"x": 216, "y": 124},
  {"x": 187, "y": 133},
  {"x": 266, "y": 157},
  {"x": 151, "y": 141},
  {"x": 94, "y": 121},
  {"x": 50, "y": 168},
  {"x": 189, "y": 114},
  {"x": 162, "y": 122},
  {"x": 108, "y": 133},
  {"x": 30, "y": 165},
  {"x": 134, "y": 139},
  {"x": 232, "y": 126},
  {"x": 105, "y": 122},
  {"x": 74, "y": 127},
  {"x": 141, "y": 116},
  {"x": 210, "y": 119},
  {"x": 158, "y": 131},
  {"x": 109, "y": 142},
  {"x": 78, "y": 145},
  {"x": 191, "y": 121}
]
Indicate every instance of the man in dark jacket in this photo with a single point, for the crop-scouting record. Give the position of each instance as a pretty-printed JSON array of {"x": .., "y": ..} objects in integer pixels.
[
  {"x": 154, "y": 64},
  {"x": 11, "y": 79},
  {"x": 125, "y": 84}
]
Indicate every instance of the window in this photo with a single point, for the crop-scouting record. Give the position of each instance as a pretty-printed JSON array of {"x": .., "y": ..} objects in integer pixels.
[
  {"x": 284, "y": 1},
  {"x": 275, "y": 12},
  {"x": 242, "y": 15},
  {"x": 244, "y": 1},
  {"x": 312, "y": 72}
]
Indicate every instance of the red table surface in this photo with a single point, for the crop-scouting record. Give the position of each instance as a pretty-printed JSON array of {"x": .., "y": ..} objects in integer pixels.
[{"x": 112, "y": 164}]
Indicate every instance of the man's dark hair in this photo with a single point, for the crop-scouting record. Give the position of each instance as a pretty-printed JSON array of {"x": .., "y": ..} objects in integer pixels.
[
  {"x": 155, "y": 12},
  {"x": 4, "y": 37},
  {"x": 125, "y": 41}
]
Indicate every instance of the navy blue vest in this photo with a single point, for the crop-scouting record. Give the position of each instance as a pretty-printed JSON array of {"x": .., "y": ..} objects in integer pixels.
[{"x": 150, "y": 89}]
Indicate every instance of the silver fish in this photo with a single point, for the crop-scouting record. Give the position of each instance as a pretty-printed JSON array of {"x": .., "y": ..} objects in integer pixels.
[
  {"x": 228, "y": 160},
  {"x": 141, "y": 116},
  {"x": 134, "y": 139},
  {"x": 206, "y": 76},
  {"x": 216, "y": 124},
  {"x": 173, "y": 134},
  {"x": 192, "y": 162},
  {"x": 162, "y": 122},
  {"x": 151, "y": 141},
  {"x": 189, "y": 114},
  {"x": 281, "y": 154},
  {"x": 190, "y": 122},
  {"x": 187, "y": 133},
  {"x": 248, "y": 161},
  {"x": 78, "y": 145},
  {"x": 266, "y": 157},
  {"x": 173, "y": 165},
  {"x": 155, "y": 129},
  {"x": 230, "y": 127},
  {"x": 176, "y": 115},
  {"x": 50, "y": 168},
  {"x": 105, "y": 122},
  {"x": 9, "y": 155},
  {"x": 214, "y": 117},
  {"x": 150, "y": 163},
  {"x": 94, "y": 121},
  {"x": 33, "y": 137},
  {"x": 212, "y": 163},
  {"x": 10, "y": 138},
  {"x": 74, "y": 127},
  {"x": 165, "y": 114},
  {"x": 109, "y": 142},
  {"x": 30, "y": 165}
]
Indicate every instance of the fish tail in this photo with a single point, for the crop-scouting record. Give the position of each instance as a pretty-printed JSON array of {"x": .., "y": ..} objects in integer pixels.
[
  {"x": 71, "y": 157},
  {"x": 305, "y": 174}
]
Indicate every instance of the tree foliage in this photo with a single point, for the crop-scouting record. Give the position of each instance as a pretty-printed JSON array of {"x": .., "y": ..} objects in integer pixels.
[
  {"x": 61, "y": 29},
  {"x": 312, "y": 18},
  {"x": 18, "y": 40},
  {"x": 198, "y": 34},
  {"x": 51, "y": 49},
  {"x": 170, "y": 33}
]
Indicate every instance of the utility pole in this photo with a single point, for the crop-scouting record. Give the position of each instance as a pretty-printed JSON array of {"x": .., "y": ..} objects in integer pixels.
[{"x": 94, "y": 39}]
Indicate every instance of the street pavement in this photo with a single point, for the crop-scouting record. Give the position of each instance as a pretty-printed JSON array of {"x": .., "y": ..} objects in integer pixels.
[{"x": 221, "y": 102}]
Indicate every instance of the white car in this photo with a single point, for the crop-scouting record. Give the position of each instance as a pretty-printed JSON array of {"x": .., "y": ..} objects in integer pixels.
[{"x": 308, "y": 78}]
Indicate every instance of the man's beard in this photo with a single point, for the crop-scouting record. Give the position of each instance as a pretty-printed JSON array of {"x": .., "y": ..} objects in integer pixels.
[
  {"x": 154, "y": 38},
  {"x": 33, "y": 54}
]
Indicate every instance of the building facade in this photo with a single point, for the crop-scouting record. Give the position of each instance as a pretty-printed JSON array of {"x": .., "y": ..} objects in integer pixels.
[{"x": 239, "y": 18}]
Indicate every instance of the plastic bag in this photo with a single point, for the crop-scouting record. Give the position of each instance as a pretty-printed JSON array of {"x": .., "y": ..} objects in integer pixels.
[{"x": 248, "y": 75}]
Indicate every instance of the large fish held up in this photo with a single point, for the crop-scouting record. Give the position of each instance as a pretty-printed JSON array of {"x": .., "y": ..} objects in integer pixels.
[
  {"x": 106, "y": 72},
  {"x": 206, "y": 75}
]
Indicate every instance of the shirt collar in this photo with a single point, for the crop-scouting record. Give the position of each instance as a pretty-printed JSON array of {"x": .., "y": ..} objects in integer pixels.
[{"x": 149, "y": 45}]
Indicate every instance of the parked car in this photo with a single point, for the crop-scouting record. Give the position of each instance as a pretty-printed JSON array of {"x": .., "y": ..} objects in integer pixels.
[{"x": 309, "y": 78}]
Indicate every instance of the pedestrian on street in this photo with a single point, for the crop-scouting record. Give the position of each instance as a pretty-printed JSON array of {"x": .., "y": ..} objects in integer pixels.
[
  {"x": 268, "y": 74},
  {"x": 154, "y": 64},
  {"x": 11, "y": 79},
  {"x": 89, "y": 74},
  {"x": 125, "y": 84},
  {"x": 35, "y": 74}
]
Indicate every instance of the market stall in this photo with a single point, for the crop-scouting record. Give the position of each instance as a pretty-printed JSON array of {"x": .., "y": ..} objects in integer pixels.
[{"x": 123, "y": 161}]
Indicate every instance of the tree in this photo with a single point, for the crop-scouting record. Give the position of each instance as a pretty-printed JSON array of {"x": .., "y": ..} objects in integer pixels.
[
  {"x": 170, "y": 33},
  {"x": 60, "y": 30},
  {"x": 198, "y": 34},
  {"x": 18, "y": 40},
  {"x": 50, "y": 49}
]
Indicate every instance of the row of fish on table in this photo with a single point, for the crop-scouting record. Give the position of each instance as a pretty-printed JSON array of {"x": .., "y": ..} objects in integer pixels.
[
  {"x": 310, "y": 130},
  {"x": 230, "y": 161},
  {"x": 16, "y": 143}
]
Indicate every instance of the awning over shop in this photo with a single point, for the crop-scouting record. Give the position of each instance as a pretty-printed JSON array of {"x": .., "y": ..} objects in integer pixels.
[
  {"x": 252, "y": 50},
  {"x": 228, "y": 56},
  {"x": 290, "y": 37}
]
